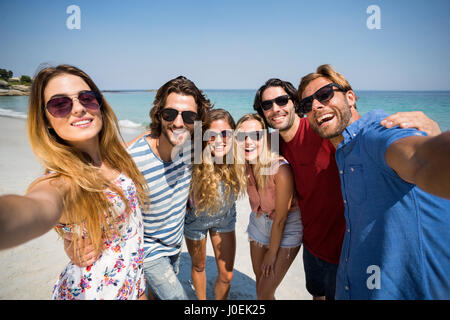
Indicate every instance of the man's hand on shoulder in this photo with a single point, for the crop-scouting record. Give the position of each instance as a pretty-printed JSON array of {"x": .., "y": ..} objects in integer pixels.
[{"x": 413, "y": 119}]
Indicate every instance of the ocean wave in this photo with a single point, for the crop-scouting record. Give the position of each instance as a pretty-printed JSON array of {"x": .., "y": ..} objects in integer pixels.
[
  {"x": 130, "y": 124},
  {"x": 12, "y": 114}
]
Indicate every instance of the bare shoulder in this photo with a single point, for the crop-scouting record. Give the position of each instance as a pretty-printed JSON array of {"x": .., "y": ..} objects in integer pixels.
[
  {"x": 284, "y": 172},
  {"x": 51, "y": 184}
]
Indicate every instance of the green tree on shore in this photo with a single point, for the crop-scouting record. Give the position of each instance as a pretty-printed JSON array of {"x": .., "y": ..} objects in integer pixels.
[
  {"x": 6, "y": 74},
  {"x": 25, "y": 79}
]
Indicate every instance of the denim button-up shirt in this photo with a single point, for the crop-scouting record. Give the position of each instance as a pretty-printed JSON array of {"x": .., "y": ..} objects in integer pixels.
[{"x": 397, "y": 239}]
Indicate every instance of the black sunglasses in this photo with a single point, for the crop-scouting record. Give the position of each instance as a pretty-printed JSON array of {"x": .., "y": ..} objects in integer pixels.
[
  {"x": 281, "y": 101},
  {"x": 254, "y": 135},
  {"x": 322, "y": 95},
  {"x": 170, "y": 114},
  {"x": 61, "y": 106},
  {"x": 211, "y": 136}
]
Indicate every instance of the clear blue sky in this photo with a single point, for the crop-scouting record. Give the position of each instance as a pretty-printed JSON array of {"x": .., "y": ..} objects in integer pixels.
[{"x": 232, "y": 44}]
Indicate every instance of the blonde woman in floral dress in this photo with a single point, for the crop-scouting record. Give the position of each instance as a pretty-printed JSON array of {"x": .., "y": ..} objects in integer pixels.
[
  {"x": 114, "y": 274},
  {"x": 91, "y": 188}
]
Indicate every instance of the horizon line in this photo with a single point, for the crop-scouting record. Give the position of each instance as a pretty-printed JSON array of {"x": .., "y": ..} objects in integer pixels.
[{"x": 221, "y": 89}]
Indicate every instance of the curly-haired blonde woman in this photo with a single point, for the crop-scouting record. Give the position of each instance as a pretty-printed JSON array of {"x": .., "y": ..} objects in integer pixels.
[
  {"x": 275, "y": 227},
  {"x": 214, "y": 189},
  {"x": 91, "y": 187}
]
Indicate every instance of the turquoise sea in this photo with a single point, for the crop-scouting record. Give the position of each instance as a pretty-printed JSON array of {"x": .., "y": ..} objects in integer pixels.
[{"x": 132, "y": 107}]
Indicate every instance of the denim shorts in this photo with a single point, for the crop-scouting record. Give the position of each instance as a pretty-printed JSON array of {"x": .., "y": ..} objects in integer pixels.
[
  {"x": 196, "y": 227},
  {"x": 259, "y": 230},
  {"x": 161, "y": 278}
]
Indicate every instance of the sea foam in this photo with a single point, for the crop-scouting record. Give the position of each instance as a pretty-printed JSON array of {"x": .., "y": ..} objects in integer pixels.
[
  {"x": 12, "y": 114},
  {"x": 130, "y": 124}
]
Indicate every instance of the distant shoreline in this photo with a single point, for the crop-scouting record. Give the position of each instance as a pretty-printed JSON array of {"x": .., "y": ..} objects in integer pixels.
[{"x": 15, "y": 92}]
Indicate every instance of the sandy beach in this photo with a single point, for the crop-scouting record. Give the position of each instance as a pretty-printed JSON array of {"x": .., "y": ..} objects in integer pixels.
[{"x": 30, "y": 270}]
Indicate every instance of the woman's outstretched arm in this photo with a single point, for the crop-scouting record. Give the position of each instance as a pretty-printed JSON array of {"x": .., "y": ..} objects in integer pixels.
[{"x": 23, "y": 218}]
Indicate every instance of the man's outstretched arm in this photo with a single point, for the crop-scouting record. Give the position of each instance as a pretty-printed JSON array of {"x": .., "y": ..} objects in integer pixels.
[{"x": 423, "y": 161}]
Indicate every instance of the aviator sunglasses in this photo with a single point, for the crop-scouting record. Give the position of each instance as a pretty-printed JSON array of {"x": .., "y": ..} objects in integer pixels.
[
  {"x": 169, "y": 114},
  {"x": 281, "y": 101},
  {"x": 254, "y": 135},
  {"x": 322, "y": 95},
  {"x": 61, "y": 106}
]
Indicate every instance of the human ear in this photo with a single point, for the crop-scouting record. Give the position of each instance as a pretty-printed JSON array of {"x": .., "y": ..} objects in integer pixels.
[{"x": 351, "y": 98}]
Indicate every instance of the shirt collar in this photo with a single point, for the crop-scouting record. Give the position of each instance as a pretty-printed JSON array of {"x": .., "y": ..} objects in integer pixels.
[{"x": 352, "y": 130}]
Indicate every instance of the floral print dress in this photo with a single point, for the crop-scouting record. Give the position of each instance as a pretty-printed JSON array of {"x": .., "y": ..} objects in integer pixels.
[{"x": 118, "y": 273}]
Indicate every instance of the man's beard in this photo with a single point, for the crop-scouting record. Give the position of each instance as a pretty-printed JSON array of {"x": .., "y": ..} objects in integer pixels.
[
  {"x": 172, "y": 140},
  {"x": 288, "y": 125},
  {"x": 343, "y": 117}
]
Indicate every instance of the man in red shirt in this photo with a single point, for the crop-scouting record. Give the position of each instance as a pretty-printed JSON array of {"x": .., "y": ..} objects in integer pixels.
[{"x": 316, "y": 179}]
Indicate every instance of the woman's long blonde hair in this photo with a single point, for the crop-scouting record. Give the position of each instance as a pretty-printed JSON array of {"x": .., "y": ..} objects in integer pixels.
[
  {"x": 85, "y": 203},
  {"x": 207, "y": 176},
  {"x": 263, "y": 167}
]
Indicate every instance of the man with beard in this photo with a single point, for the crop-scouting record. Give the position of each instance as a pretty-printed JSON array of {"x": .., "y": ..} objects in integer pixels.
[
  {"x": 394, "y": 183},
  {"x": 164, "y": 158},
  {"x": 317, "y": 180}
]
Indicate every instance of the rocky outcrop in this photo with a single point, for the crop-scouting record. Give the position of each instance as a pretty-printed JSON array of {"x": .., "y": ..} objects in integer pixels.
[
  {"x": 13, "y": 90},
  {"x": 4, "y": 84},
  {"x": 20, "y": 87}
]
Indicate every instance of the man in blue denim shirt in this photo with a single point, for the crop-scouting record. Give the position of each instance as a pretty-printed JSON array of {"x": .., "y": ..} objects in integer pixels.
[{"x": 395, "y": 184}]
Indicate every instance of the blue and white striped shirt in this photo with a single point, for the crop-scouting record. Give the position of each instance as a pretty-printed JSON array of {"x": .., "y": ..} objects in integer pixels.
[{"x": 169, "y": 190}]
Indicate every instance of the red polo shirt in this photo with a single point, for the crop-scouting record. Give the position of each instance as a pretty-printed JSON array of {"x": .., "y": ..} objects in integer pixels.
[{"x": 319, "y": 191}]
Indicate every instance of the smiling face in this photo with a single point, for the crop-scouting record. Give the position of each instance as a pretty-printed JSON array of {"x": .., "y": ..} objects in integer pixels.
[
  {"x": 177, "y": 131},
  {"x": 329, "y": 118},
  {"x": 221, "y": 145},
  {"x": 80, "y": 128},
  {"x": 278, "y": 117},
  {"x": 252, "y": 146}
]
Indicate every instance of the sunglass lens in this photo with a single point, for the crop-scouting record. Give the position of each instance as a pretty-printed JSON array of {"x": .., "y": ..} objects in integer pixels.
[
  {"x": 210, "y": 136},
  {"x": 189, "y": 116},
  {"x": 325, "y": 94},
  {"x": 282, "y": 100},
  {"x": 89, "y": 100},
  {"x": 240, "y": 136},
  {"x": 169, "y": 114},
  {"x": 254, "y": 135},
  {"x": 266, "y": 105},
  {"x": 59, "y": 107},
  {"x": 227, "y": 134}
]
